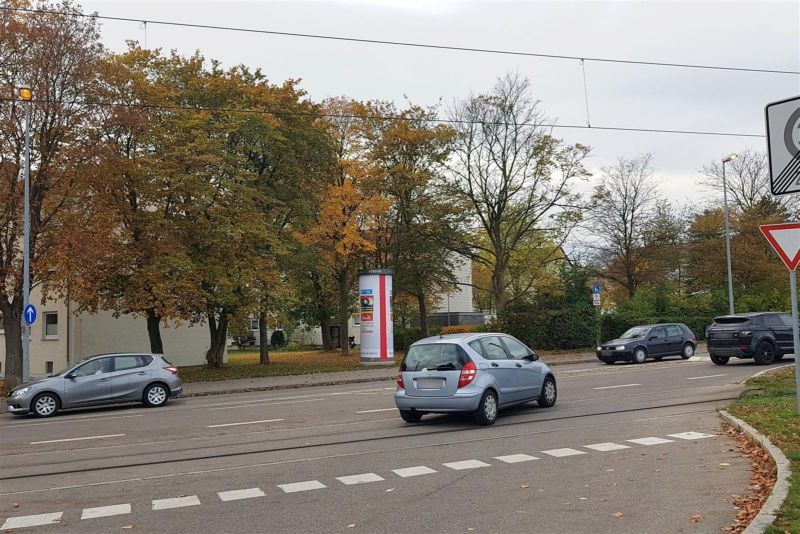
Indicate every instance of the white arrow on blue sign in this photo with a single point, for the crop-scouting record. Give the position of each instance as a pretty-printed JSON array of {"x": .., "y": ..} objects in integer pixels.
[
  {"x": 596, "y": 289},
  {"x": 29, "y": 314}
]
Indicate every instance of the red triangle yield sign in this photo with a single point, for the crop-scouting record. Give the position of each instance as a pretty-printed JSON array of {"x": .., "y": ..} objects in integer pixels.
[{"x": 785, "y": 239}]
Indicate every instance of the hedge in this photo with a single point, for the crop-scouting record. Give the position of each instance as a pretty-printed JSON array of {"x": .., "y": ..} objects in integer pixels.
[
  {"x": 615, "y": 324},
  {"x": 541, "y": 328},
  {"x": 403, "y": 337}
]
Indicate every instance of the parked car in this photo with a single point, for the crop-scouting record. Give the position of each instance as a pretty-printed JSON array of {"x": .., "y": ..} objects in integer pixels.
[
  {"x": 103, "y": 379},
  {"x": 764, "y": 336},
  {"x": 649, "y": 341},
  {"x": 474, "y": 373}
]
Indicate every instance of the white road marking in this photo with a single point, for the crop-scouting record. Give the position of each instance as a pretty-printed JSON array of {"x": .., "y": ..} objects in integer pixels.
[
  {"x": 269, "y": 399},
  {"x": 649, "y": 441},
  {"x": 516, "y": 458},
  {"x": 236, "y": 495},
  {"x": 607, "y": 446},
  {"x": 76, "y": 439},
  {"x": 302, "y": 486},
  {"x": 178, "y": 502},
  {"x": 620, "y": 386},
  {"x": 31, "y": 521},
  {"x": 360, "y": 479},
  {"x": 85, "y": 419},
  {"x": 466, "y": 464},
  {"x": 560, "y": 453},
  {"x": 707, "y": 376},
  {"x": 250, "y": 405},
  {"x": 379, "y": 410},
  {"x": 414, "y": 471},
  {"x": 106, "y": 511},
  {"x": 246, "y": 423},
  {"x": 691, "y": 435}
]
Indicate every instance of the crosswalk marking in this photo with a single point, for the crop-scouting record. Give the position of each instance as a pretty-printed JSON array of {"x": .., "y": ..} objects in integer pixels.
[
  {"x": 236, "y": 495},
  {"x": 414, "y": 471},
  {"x": 360, "y": 479},
  {"x": 649, "y": 441},
  {"x": 31, "y": 520},
  {"x": 516, "y": 458},
  {"x": 607, "y": 446},
  {"x": 302, "y": 486},
  {"x": 177, "y": 502},
  {"x": 690, "y": 435},
  {"x": 466, "y": 464},
  {"x": 560, "y": 453},
  {"x": 106, "y": 511}
]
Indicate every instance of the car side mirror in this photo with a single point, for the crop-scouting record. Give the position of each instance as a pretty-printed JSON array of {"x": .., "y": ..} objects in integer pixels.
[
  {"x": 652, "y": 338},
  {"x": 532, "y": 357},
  {"x": 70, "y": 375}
]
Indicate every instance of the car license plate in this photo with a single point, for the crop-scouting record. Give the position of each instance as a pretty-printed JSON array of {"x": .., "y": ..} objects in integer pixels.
[{"x": 430, "y": 383}]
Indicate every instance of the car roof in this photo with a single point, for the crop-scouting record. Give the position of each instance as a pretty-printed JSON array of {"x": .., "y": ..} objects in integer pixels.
[
  {"x": 461, "y": 336},
  {"x": 119, "y": 354},
  {"x": 750, "y": 314}
]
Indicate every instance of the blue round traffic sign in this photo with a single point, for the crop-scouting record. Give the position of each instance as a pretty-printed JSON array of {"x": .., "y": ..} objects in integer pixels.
[
  {"x": 596, "y": 289},
  {"x": 29, "y": 314}
]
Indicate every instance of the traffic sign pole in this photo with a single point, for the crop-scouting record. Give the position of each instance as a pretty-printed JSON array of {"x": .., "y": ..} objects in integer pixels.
[
  {"x": 796, "y": 335},
  {"x": 26, "y": 246}
]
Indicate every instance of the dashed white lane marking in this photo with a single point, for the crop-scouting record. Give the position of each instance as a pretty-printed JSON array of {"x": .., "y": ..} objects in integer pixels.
[
  {"x": 76, "y": 439},
  {"x": 690, "y": 435},
  {"x": 466, "y": 464},
  {"x": 413, "y": 471},
  {"x": 302, "y": 486},
  {"x": 178, "y": 502},
  {"x": 707, "y": 376},
  {"x": 106, "y": 511},
  {"x": 607, "y": 446},
  {"x": 250, "y": 405},
  {"x": 620, "y": 386},
  {"x": 516, "y": 458},
  {"x": 560, "y": 453},
  {"x": 360, "y": 479},
  {"x": 380, "y": 410},
  {"x": 236, "y": 495},
  {"x": 649, "y": 441},
  {"x": 84, "y": 419},
  {"x": 246, "y": 423},
  {"x": 31, "y": 521}
]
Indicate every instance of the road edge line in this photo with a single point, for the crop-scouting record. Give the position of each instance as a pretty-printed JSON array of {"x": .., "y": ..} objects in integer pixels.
[{"x": 767, "y": 515}]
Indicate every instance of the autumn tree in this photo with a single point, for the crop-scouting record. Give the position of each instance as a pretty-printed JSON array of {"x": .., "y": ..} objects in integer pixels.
[
  {"x": 514, "y": 175},
  {"x": 56, "y": 54}
]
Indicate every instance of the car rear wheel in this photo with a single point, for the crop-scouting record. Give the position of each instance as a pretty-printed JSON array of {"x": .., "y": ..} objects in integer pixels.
[
  {"x": 156, "y": 395},
  {"x": 486, "y": 414},
  {"x": 719, "y": 360},
  {"x": 45, "y": 405},
  {"x": 639, "y": 356},
  {"x": 687, "y": 351},
  {"x": 765, "y": 353},
  {"x": 410, "y": 416},
  {"x": 547, "y": 397}
]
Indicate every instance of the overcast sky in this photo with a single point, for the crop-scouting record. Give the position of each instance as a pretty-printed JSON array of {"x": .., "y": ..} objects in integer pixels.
[{"x": 743, "y": 34}]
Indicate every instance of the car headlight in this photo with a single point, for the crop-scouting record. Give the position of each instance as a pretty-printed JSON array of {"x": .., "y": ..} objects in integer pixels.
[
  {"x": 19, "y": 392},
  {"x": 619, "y": 347},
  {"x": 599, "y": 348}
]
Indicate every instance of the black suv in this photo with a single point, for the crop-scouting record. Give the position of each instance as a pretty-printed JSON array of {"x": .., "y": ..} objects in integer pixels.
[{"x": 764, "y": 336}]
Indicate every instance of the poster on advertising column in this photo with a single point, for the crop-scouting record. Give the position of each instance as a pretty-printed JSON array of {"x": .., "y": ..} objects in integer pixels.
[{"x": 375, "y": 313}]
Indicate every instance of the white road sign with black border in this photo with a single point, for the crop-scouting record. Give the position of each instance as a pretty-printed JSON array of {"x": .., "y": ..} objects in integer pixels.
[{"x": 783, "y": 145}]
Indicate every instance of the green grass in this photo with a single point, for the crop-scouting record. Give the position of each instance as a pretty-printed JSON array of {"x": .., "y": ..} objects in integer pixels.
[
  {"x": 244, "y": 364},
  {"x": 770, "y": 407}
]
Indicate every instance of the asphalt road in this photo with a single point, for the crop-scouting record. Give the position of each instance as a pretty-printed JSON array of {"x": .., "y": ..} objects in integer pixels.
[{"x": 627, "y": 448}]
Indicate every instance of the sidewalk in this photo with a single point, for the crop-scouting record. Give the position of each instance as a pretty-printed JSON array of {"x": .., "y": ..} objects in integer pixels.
[{"x": 381, "y": 374}]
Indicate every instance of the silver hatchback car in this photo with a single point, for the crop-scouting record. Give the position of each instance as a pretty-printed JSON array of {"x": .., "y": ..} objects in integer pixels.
[
  {"x": 103, "y": 379},
  {"x": 475, "y": 373}
]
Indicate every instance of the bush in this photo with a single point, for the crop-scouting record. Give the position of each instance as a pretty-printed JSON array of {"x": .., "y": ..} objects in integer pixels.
[
  {"x": 459, "y": 329},
  {"x": 615, "y": 324},
  {"x": 403, "y": 337},
  {"x": 278, "y": 338},
  {"x": 568, "y": 327}
]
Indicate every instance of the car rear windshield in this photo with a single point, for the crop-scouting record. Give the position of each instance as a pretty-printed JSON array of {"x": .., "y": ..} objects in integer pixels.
[
  {"x": 438, "y": 356},
  {"x": 731, "y": 320}
]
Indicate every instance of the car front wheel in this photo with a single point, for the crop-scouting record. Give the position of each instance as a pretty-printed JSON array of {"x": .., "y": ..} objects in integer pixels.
[
  {"x": 719, "y": 360},
  {"x": 639, "y": 356},
  {"x": 486, "y": 414},
  {"x": 547, "y": 397},
  {"x": 45, "y": 405},
  {"x": 688, "y": 351},
  {"x": 156, "y": 395}
]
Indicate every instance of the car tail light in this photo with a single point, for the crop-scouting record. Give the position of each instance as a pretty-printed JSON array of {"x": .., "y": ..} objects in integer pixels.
[
  {"x": 171, "y": 369},
  {"x": 400, "y": 383},
  {"x": 743, "y": 347},
  {"x": 468, "y": 374}
]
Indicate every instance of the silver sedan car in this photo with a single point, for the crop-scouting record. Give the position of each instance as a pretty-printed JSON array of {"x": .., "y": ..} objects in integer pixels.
[
  {"x": 475, "y": 373},
  {"x": 103, "y": 379}
]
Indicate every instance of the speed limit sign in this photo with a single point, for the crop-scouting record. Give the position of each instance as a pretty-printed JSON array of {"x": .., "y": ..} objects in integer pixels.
[{"x": 783, "y": 145}]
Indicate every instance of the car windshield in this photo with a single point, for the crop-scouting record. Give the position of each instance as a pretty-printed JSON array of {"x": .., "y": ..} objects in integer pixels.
[
  {"x": 635, "y": 332},
  {"x": 438, "y": 356}
]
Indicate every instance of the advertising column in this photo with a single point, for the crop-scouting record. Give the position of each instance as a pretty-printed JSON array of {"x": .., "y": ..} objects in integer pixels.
[{"x": 375, "y": 308}]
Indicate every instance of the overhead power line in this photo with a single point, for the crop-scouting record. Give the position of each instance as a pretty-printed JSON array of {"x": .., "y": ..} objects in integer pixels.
[
  {"x": 405, "y": 43},
  {"x": 279, "y": 113}
]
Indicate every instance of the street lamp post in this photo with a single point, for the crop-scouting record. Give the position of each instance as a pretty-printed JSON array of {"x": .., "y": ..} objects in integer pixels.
[
  {"x": 728, "y": 231},
  {"x": 26, "y": 95}
]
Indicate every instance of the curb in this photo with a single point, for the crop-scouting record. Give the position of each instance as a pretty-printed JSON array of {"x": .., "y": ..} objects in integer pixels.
[
  {"x": 331, "y": 382},
  {"x": 766, "y": 516}
]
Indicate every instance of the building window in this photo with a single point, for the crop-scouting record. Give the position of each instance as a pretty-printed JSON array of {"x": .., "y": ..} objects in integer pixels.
[
  {"x": 254, "y": 325},
  {"x": 48, "y": 368},
  {"x": 50, "y": 325}
]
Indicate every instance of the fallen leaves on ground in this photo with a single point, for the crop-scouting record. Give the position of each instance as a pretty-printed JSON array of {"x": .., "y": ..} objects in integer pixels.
[
  {"x": 617, "y": 514},
  {"x": 695, "y": 518},
  {"x": 761, "y": 482},
  {"x": 524, "y": 486}
]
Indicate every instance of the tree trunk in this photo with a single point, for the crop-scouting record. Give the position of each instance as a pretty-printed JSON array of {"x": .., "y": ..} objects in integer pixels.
[
  {"x": 423, "y": 314},
  {"x": 219, "y": 336},
  {"x": 154, "y": 331},
  {"x": 344, "y": 316},
  {"x": 263, "y": 342},
  {"x": 325, "y": 325},
  {"x": 498, "y": 288},
  {"x": 12, "y": 324}
]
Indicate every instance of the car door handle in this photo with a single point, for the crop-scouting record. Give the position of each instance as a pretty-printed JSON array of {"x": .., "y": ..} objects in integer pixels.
[
  {"x": 519, "y": 365},
  {"x": 142, "y": 373},
  {"x": 495, "y": 364},
  {"x": 104, "y": 380}
]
